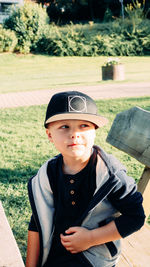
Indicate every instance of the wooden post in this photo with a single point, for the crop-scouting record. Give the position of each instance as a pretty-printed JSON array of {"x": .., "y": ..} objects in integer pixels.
[
  {"x": 9, "y": 252},
  {"x": 144, "y": 188}
]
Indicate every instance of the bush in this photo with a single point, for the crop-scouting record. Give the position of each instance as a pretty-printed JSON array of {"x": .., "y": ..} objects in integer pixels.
[
  {"x": 118, "y": 38},
  {"x": 8, "y": 40},
  {"x": 28, "y": 22},
  {"x": 63, "y": 42}
]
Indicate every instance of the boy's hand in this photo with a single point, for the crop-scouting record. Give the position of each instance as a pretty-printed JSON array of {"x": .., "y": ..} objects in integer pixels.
[{"x": 77, "y": 239}]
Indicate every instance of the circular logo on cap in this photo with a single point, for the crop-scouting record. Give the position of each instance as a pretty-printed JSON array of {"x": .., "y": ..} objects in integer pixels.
[{"x": 77, "y": 104}]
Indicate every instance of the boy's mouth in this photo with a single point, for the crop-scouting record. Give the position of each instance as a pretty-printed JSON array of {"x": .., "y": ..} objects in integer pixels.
[{"x": 75, "y": 144}]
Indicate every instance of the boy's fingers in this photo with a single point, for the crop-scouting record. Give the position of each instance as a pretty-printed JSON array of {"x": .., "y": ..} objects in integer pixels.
[
  {"x": 67, "y": 245},
  {"x": 64, "y": 238},
  {"x": 71, "y": 230},
  {"x": 69, "y": 233}
]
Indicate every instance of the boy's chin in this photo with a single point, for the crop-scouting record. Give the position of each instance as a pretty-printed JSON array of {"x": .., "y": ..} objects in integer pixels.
[{"x": 77, "y": 153}]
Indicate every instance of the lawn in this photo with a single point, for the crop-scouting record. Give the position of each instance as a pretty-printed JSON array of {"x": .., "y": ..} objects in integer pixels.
[
  {"x": 37, "y": 72},
  {"x": 24, "y": 147}
]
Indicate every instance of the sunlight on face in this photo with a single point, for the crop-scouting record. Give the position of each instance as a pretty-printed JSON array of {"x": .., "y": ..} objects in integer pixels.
[{"x": 72, "y": 138}]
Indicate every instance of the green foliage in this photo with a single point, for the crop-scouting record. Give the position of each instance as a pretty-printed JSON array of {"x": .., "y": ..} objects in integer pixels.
[
  {"x": 128, "y": 37},
  {"x": 8, "y": 40},
  {"x": 123, "y": 38},
  {"x": 67, "y": 42},
  {"x": 28, "y": 22},
  {"x": 118, "y": 38},
  {"x": 135, "y": 10}
]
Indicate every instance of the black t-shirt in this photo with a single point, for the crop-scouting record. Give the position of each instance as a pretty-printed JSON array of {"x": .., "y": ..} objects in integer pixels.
[{"x": 72, "y": 194}]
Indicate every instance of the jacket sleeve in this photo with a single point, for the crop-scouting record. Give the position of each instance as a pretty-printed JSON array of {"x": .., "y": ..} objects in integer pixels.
[
  {"x": 42, "y": 204},
  {"x": 128, "y": 202}
]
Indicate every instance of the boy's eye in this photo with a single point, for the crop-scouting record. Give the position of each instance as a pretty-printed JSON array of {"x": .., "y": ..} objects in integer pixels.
[
  {"x": 84, "y": 125},
  {"x": 64, "y": 127}
]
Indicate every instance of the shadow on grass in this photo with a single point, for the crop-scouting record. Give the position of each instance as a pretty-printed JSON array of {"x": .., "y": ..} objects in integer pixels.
[{"x": 8, "y": 176}]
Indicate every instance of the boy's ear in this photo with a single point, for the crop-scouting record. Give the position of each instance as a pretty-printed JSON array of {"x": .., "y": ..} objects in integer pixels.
[{"x": 49, "y": 135}]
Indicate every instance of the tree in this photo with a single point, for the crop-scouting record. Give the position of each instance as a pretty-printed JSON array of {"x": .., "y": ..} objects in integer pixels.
[{"x": 63, "y": 11}]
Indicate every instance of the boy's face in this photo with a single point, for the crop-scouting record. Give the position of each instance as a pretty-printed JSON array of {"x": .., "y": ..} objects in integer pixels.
[{"x": 72, "y": 138}]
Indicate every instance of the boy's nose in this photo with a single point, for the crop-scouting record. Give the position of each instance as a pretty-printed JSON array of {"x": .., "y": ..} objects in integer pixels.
[{"x": 75, "y": 135}]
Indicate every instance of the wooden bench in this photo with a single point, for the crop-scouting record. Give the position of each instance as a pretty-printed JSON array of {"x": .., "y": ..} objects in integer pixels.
[
  {"x": 136, "y": 248},
  {"x": 9, "y": 252},
  {"x": 130, "y": 132}
]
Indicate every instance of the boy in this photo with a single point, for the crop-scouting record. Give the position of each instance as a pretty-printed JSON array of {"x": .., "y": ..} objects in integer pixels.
[{"x": 82, "y": 201}]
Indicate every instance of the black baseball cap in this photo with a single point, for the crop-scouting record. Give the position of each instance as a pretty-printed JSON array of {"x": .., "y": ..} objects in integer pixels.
[{"x": 73, "y": 105}]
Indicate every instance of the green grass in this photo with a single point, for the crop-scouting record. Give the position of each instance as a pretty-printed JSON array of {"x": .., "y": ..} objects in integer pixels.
[
  {"x": 37, "y": 72},
  {"x": 24, "y": 148}
]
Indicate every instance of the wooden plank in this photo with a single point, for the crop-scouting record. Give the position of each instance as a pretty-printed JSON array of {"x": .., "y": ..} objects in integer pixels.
[
  {"x": 144, "y": 188},
  {"x": 9, "y": 252},
  {"x": 130, "y": 132},
  {"x": 136, "y": 249}
]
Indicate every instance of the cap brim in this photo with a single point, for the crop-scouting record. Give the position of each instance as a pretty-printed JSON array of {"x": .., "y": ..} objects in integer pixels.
[{"x": 98, "y": 120}]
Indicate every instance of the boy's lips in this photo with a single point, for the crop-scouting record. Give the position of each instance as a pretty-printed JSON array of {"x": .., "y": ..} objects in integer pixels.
[{"x": 75, "y": 144}]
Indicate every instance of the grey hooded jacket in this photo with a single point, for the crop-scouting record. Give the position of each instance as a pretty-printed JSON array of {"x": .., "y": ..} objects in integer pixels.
[{"x": 112, "y": 182}]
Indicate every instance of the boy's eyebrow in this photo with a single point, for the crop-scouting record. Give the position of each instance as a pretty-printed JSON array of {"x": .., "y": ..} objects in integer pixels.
[{"x": 62, "y": 122}]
